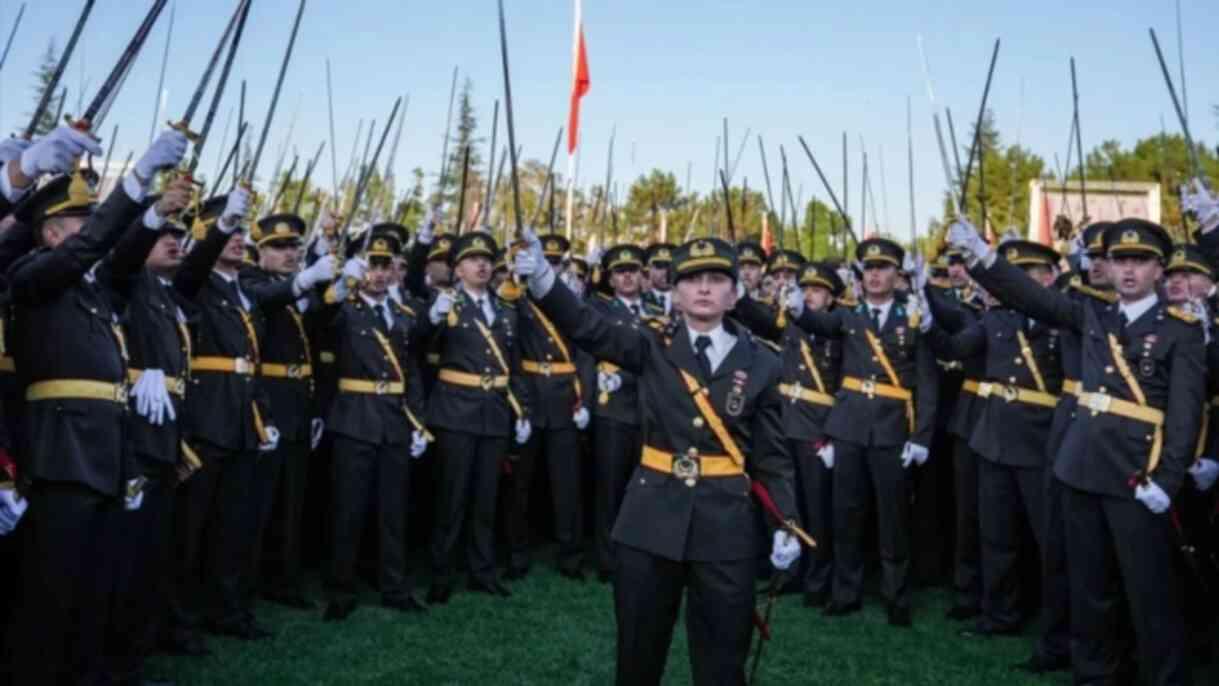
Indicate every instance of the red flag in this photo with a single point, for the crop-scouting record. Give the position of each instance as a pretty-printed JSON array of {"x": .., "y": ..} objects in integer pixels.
[{"x": 579, "y": 81}]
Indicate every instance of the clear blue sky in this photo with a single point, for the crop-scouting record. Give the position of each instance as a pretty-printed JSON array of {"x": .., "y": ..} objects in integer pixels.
[{"x": 665, "y": 72}]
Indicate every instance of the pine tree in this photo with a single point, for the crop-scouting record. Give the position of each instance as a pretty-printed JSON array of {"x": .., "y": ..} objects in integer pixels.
[
  {"x": 43, "y": 76},
  {"x": 464, "y": 136}
]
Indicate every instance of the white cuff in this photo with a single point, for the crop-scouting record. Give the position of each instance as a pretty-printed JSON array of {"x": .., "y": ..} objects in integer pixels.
[
  {"x": 133, "y": 188},
  {"x": 152, "y": 220},
  {"x": 297, "y": 289},
  {"x": 225, "y": 228},
  {"x": 540, "y": 284},
  {"x": 13, "y": 195}
]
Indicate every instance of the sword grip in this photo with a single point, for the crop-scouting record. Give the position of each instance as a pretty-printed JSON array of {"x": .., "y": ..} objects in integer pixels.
[
  {"x": 183, "y": 128},
  {"x": 82, "y": 125}
]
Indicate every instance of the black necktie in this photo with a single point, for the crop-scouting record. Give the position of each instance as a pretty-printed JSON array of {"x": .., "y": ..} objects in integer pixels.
[
  {"x": 704, "y": 361},
  {"x": 379, "y": 310},
  {"x": 634, "y": 309},
  {"x": 876, "y": 317}
]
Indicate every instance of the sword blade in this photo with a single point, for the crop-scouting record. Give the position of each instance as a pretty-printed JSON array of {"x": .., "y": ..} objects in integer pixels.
[
  {"x": 279, "y": 84},
  {"x": 53, "y": 83}
]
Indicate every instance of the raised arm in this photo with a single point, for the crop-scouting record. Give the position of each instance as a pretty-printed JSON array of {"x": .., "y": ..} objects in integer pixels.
[
  {"x": 193, "y": 274},
  {"x": 1018, "y": 290},
  {"x": 965, "y": 343},
  {"x": 625, "y": 345}
]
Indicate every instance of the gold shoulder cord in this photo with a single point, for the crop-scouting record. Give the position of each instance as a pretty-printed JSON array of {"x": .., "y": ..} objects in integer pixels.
[
  {"x": 1123, "y": 367},
  {"x": 879, "y": 351},
  {"x": 699, "y": 394},
  {"x": 554, "y": 335},
  {"x": 259, "y": 427},
  {"x": 503, "y": 363},
  {"x": 807, "y": 355},
  {"x": 393, "y": 360},
  {"x": 1027, "y": 353}
]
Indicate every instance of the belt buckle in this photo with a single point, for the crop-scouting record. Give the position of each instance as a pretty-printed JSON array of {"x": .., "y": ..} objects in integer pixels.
[
  {"x": 487, "y": 382},
  {"x": 797, "y": 391},
  {"x": 1010, "y": 393},
  {"x": 985, "y": 388},
  {"x": 869, "y": 388},
  {"x": 243, "y": 366},
  {"x": 1099, "y": 402},
  {"x": 294, "y": 371},
  {"x": 544, "y": 367},
  {"x": 175, "y": 386},
  {"x": 685, "y": 467},
  {"x": 120, "y": 393},
  {"x": 381, "y": 387}
]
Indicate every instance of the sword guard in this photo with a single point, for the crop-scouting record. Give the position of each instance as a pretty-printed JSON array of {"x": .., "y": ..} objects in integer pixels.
[
  {"x": 82, "y": 125},
  {"x": 183, "y": 128}
]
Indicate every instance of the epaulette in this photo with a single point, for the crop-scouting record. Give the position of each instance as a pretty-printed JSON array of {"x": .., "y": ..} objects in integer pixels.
[
  {"x": 655, "y": 322},
  {"x": 769, "y": 344},
  {"x": 1106, "y": 296},
  {"x": 509, "y": 291},
  {"x": 1187, "y": 317},
  {"x": 847, "y": 301},
  {"x": 603, "y": 296}
]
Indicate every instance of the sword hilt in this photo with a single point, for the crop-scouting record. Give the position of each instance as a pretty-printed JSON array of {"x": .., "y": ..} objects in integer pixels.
[
  {"x": 183, "y": 128},
  {"x": 83, "y": 125}
]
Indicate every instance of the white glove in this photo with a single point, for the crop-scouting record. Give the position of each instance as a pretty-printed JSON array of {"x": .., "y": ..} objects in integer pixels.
[
  {"x": 134, "y": 497},
  {"x": 11, "y": 148},
  {"x": 523, "y": 430},
  {"x": 272, "y": 441},
  {"x": 608, "y": 382},
  {"x": 441, "y": 307},
  {"x": 785, "y": 550},
  {"x": 1197, "y": 200},
  {"x": 57, "y": 152},
  {"x": 236, "y": 206},
  {"x": 355, "y": 269},
  {"x": 913, "y": 453},
  {"x": 794, "y": 302},
  {"x": 166, "y": 152},
  {"x": 152, "y": 401},
  {"x": 573, "y": 283},
  {"x": 426, "y": 230},
  {"x": 963, "y": 236},
  {"x": 918, "y": 272},
  {"x": 1204, "y": 471},
  {"x": 320, "y": 245},
  {"x": 531, "y": 261},
  {"x": 581, "y": 418},
  {"x": 418, "y": 444},
  {"x": 826, "y": 453},
  {"x": 1154, "y": 497},
  {"x": 12, "y": 506},
  {"x": 595, "y": 255},
  {"x": 317, "y": 427},
  {"x": 321, "y": 272}
]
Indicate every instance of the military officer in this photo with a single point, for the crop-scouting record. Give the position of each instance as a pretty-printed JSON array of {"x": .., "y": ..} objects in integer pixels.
[
  {"x": 1019, "y": 392},
  {"x": 881, "y": 424},
  {"x": 478, "y": 404},
  {"x": 1125, "y": 453},
  {"x": 752, "y": 259},
  {"x": 659, "y": 291},
  {"x": 376, "y": 421},
  {"x": 712, "y": 416},
  {"x": 73, "y": 472}
]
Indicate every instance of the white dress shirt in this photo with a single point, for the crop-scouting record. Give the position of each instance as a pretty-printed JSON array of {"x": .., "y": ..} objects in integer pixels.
[
  {"x": 884, "y": 312},
  {"x": 487, "y": 308},
  {"x": 635, "y": 306},
  {"x": 245, "y": 302},
  {"x": 385, "y": 313},
  {"x": 1138, "y": 308},
  {"x": 721, "y": 344},
  {"x": 666, "y": 300}
]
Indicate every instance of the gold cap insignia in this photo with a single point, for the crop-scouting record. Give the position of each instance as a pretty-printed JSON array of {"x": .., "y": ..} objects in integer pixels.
[
  {"x": 873, "y": 250},
  {"x": 1012, "y": 254},
  {"x": 379, "y": 245},
  {"x": 444, "y": 244},
  {"x": 663, "y": 254},
  {"x": 1130, "y": 236},
  {"x": 624, "y": 255},
  {"x": 478, "y": 243},
  {"x": 553, "y": 246},
  {"x": 1178, "y": 256},
  {"x": 702, "y": 249},
  {"x": 282, "y": 228}
]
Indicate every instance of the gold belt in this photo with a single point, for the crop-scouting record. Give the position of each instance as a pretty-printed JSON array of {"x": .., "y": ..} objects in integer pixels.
[
  {"x": 486, "y": 382},
  {"x": 689, "y": 466},
  {"x": 1103, "y": 402},
  {"x": 371, "y": 387},
  {"x": 548, "y": 368},
  {"x": 970, "y": 386},
  {"x": 174, "y": 384},
  {"x": 7, "y": 364},
  {"x": 1071, "y": 387},
  {"x": 76, "y": 389},
  {"x": 285, "y": 371},
  {"x": 228, "y": 365},
  {"x": 874, "y": 388},
  {"x": 1011, "y": 394},
  {"x": 808, "y": 395}
]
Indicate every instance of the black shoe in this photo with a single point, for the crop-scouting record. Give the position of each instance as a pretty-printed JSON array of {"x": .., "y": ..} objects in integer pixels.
[
  {"x": 293, "y": 599},
  {"x": 574, "y": 574},
  {"x": 899, "y": 616},
  {"x": 406, "y": 603},
  {"x": 1038, "y": 664},
  {"x": 186, "y": 644},
  {"x": 516, "y": 573},
  {"x": 815, "y": 598},
  {"x": 491, "y": 587},
  {"x": 835, "y": 609},
  {"x": 338, "y": 610},
  {"x": 439, "y": 595},
  {"x": 961, "y": 613}
]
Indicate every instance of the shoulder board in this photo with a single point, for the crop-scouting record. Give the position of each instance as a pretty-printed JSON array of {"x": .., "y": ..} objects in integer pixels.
[
  {"x": 603, "y": 297},
  {"x": 1187, "y": 317},
  {"x": 765, "y": 343},
  {"x": 657, "y": 323},
  {"x": 1105, "y": 296}
]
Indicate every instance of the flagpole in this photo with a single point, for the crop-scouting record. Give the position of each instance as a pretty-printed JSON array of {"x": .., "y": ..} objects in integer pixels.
[{"x": 578, "y": 87}]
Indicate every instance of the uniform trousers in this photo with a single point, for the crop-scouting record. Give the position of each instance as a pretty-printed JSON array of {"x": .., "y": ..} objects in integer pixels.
[
  {"x": 560, "y": 450},
  {"x": 467, "y": 481},
  {"x": 815, "y": 493},
  {"x": 370, "y": 476},
  {"x": 863, "y": 475},
  {"x": 616, "y": 451}
]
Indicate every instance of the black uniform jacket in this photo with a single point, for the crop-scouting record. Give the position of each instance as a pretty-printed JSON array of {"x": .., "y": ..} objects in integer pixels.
[
  {"x": 879, "y": 421},
  {"x": 715, "y": 519},
  {"x": 623, "y": 404},
  {"x": 1101, "y": 451},
  {"x": 222, "y": 409},
  {"x": 362, "y": 355},
  {"x": 1009, "y": 431},
  {"x": 953, "y": 315},
  {"x": 802, "y": 420},
  {"x": 285, "y": 344},
  {"x": 67, "y": 327},
  {"x": 463, "y": 348}
]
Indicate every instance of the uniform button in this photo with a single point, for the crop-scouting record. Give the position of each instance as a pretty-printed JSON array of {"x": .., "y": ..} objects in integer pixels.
[
  {"x": 1019, "y": 361},
  {"x": 1148, "y": 437},
  {"x": 1108, "y": 369},
  {"x": 698, "y": 422},
  {"x": 487, "y": 351},
  {"x": 1102, "y": 389},
  {"x": 874, "y": 359},
  {"x": 801, "y": 367},
  {"x": 1011, "y": 379}
]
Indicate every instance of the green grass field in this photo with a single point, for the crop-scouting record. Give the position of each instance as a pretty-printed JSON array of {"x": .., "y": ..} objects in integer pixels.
[{"x": 553, "y": 631}]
